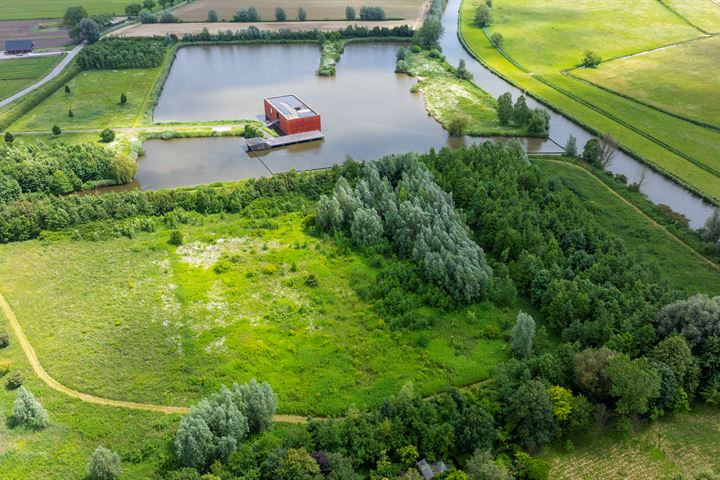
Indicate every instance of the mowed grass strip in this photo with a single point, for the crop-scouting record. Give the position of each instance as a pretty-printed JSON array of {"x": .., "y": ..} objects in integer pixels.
[
  {"x": 17, "y": 74},
  {"x": 316, "y": 9},
  {"x": 31, "y": 9},
  {"x": 679, "y": 133},
  {"x": 680, "y": 445},
  {"x": 95, "y": 101},
  {"x": 145, "y": 321},
  {"x": 677, "y": 79},
  {"x": 677, "y": 265},
  {"x": 703, "y": 13}
]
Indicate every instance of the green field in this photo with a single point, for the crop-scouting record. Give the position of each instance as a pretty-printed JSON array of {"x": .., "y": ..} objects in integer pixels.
[
  {"x": 19, "y": 73},
  {"x": 682, "y": 444},
  {"x": 649, "y": 242},
  {"x": 142, "y": 320},
  {"x": 684, "y": 73},
  {"x": 702, "y": 13},
  {"x": 95, "y": 101},
  {"x": 542, "y": 45},
  {"x": 26, "y": 10}
]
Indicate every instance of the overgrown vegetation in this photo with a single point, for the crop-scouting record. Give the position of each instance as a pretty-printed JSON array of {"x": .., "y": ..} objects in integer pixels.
[{"x": 114, "y": 53}]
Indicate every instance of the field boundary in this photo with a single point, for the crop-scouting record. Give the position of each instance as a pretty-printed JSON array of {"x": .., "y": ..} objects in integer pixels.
[
  {"x": 680, "y": 16},
  {"x": 637, "y": 209},
  {"x": 582, "y": 123}
]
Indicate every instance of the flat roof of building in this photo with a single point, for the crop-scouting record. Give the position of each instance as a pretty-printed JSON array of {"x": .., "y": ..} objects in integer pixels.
[
  {"x": 18, "y": 45},
  {"x": 291, "y": 106}
]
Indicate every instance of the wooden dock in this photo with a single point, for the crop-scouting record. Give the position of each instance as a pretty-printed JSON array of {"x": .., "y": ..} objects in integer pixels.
[{"x": 260, "y": 143}]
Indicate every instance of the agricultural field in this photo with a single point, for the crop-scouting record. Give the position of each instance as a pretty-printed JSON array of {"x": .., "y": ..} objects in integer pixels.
[
  {"x": 681, "y": 446},
  {"x": 95, "y": 102},
  {"x": 19, "y": 73},
  {"x": 541, "y": 42},
  {"x": 704, "y": 14},
  {"x": 642, "y": 236},
  {"x": 32, "y": 9},
  {"x": 244, "y": 297},
  {"x": 316, "y": 9},
  {"x": 43, "y": 33},
  {"x": 683, "y": 70}
]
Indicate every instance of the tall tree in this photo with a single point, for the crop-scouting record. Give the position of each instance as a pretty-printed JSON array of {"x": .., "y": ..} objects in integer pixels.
[
  {"x": 505, "y": 108},
  {"x": 521, "y": 338}
]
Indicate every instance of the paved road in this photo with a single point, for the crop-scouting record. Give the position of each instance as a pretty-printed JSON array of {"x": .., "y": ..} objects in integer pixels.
[
  {"x": 56, "y": 71},
  {"x": 4, "y": 56}
]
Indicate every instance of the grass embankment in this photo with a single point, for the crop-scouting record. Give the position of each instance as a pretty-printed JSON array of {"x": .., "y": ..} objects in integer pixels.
[
  {"x": 541, "y": 42},
  {"x": 448, "y": 97},
  {"x": 55, "y": 9},
  {"x": 677, "y": 446},
  {"x": 683, "y": 71},
  {"x": 678, "y": 265},
  {"x": 330, "y": 54},
  {"x": 95, "y": 102},
  {"x": 17, "y": 74},
  {"x": 145, "y": 321}
]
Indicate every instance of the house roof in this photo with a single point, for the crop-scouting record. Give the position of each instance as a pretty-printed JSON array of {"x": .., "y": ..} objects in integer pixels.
[
  {"x": 11, "y": 45},
  {"x": 429, "y": 471},
  {"x": 291, "y": 106}
]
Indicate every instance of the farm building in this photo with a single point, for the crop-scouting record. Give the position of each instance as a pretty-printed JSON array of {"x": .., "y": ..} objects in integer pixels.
[
  {"x": 428, "y": 470},
  {"x": 291, "y": 115},
  {"x": 13, "y": 47}
]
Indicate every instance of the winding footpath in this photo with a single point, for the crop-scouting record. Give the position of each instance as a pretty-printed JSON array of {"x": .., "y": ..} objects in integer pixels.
[{"x": 55, "y": 72}]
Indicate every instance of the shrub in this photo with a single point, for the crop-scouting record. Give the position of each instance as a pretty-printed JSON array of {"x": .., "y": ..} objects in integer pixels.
[
  {"x": 350, "y": 13},
  {"x": 483, "y": 16},
  {"x": 372, "y": 13},
  {"x": 147, "y": 17},
  {"x": 167, "y": 17},
  {"x": 302, "y": 14},
  {"x": 591, "y": 59},
  {"x": 104, "y": 465},
  {"x": 497, "y": 39},
  {"x": 27, "y": 411},
  {"x": 245, "y": 16},
  {"x": 311, "y": 281},
  {"x": 9, "y": 138},
  {"x": 280, "y": 14},
  {"x": 123, "y": 99},
  {"x": 4, "y": 339},
  {"x": 458, "y": 124},
  {"x": 176, "y": 238},
  {"x": 212, "y": 16},
  {"x": 107, "y": 135},
  {"x": 14, "y": 381},
  {"x": 56, "y": 130}
]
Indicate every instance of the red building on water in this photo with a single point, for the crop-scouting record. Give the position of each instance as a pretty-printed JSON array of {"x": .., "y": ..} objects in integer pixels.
[{"x": 291, "y": 115}]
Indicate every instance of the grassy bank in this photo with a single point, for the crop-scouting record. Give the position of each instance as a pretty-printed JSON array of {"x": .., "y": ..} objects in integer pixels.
[
  {"x": 672, "y": 146},
  {"x": 449, "y": 98},
  {"x": 330, "y": 54},
  {"x": 140, "y": 319}
]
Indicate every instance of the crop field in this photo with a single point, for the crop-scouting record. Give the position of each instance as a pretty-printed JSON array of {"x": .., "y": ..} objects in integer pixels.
[
  {"x": 95, "y": 101},
  {"x": 542, "y": 38},
  {"x": 677, "y": 265},
  {"x": 18, "y": 74},
  {"x": 683, "y": 444},
  {"x": 25, "y": 10},
  {"x": 145, "y": 321},
  {"x": 316, "y": 9},
  {"x": 43, "y": 33},
  {"x": 683, "y": 71}
]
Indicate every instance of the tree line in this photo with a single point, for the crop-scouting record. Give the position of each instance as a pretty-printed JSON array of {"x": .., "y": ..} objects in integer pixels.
[
  {"x": 121, "y": 53},
  {"x": 253, "y": 33}
]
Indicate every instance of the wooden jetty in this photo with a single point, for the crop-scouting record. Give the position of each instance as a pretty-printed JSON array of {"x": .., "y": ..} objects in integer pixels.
[{"x": 260, "y": 143}]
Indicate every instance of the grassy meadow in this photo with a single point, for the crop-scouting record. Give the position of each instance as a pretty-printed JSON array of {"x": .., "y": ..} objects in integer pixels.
[
  {"x": 95, "y": 101},
  {"x": 704, "y": 14},
  {"x": 316, "y": 9},
  {"x": 684, "y": 73},
  {"x": 678, "y": 446},
  {"x": 26, "y": 10},
  {"x": 544, "y": 47},
  {"x": 677, "y": 265},
  {"x": 17, "y": 74},
  {"x": 142, "y": 320}
]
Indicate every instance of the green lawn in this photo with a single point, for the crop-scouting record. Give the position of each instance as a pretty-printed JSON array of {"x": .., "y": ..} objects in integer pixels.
[
  {"x": 95, "y": 101},
  {"x": 677, "y": 265},
  {"x": 545, "y": 46},
  {"x": 681, "y": 444},
  {"x": 142, "y": 320},
  {"x": 684, "y": 73},
  {"x": 17, "y": 74},
  {"x": 30, "y": 9},
  {"x": 703, "y": 13}
]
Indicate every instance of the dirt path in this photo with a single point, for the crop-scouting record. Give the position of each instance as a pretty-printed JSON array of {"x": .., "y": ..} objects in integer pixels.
[
  {"x": 55, "y": 385},
  {"x": 639, "y": 211}
]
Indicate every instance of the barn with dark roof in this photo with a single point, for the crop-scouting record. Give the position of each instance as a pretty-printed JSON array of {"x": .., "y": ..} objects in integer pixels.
[{"x": 13, "y": 47}]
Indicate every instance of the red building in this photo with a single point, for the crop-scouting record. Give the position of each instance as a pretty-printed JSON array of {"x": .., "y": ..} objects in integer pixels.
[{"x": 291, "y": 115}]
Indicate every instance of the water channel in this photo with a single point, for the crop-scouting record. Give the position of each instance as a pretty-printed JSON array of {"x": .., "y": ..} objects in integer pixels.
[{"x": 367, "y": 112}]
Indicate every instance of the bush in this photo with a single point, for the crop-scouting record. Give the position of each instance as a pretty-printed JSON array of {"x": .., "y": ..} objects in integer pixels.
[
  {"x": 372, "y": 13},
  {"x": 302, "y": 14},
  {"x": 280, "y": 14},
  {"x": 591, "y": 59},
  {"x": 245, "y": 16},
  {"x": 167, "y": 17},
  {"x": 9, "y": 138},
  {"x": 212, "y": 16},
  {"x": 176, "y": 238},
  {"x": 27, "y": 411},
  {"x": 104, "y": 465},
  {"x": 350, "y": 13},
  {"x": 458, "y": 124},
  {"x": 107, "y": 135},
  {"x": 56, "y": 130},
  {"x": 147, "y": 17},
  {"x": 497, "y": 39},
  {"x": 4, "y": 339},
  {"x": 14, "y": 381},
  {"x": 483, "y": 16}
]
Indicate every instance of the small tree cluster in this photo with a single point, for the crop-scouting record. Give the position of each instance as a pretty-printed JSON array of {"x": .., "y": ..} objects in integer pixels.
[
  {"x": 248, "y": 15},
  {"x": 372, "y": 13},
  {"x": 591, "y": 59},
  {"x": 483, "y": 15},
  {"x": 537, "y": 120},
  {"x": 600, "y": 151},
  {"x": 27, "y": 411},
  {"x": 104, "y": 465}
]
